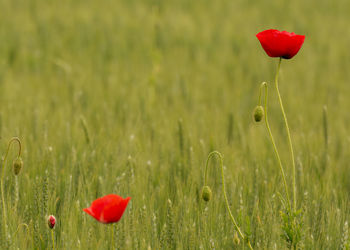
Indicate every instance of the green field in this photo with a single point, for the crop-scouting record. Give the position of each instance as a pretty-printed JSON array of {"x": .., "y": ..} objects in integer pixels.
[{"x": 129, "y": 97}]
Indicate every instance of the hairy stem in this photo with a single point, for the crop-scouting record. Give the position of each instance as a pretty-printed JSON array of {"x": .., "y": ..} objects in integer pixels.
[
  {"x": 112, "y": 235},
  {"x": 264, "y": 84},
  {"x": 53, "y": 239},
  {"x": 288, "y": 134}
]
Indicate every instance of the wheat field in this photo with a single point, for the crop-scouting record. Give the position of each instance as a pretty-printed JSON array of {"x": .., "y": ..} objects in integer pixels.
[{"x": 129, "y": 97}]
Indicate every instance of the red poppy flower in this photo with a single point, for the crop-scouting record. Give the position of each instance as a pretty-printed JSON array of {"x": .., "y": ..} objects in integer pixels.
[
  {"x": 108, "y": 209},
  {"x": 280, "y": 43}
]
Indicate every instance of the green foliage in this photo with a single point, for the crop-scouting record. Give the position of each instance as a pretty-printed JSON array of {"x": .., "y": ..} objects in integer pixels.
[{"x": 292, "y": 226}]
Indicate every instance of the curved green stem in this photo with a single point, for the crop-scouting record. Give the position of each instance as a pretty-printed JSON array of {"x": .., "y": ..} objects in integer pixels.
[
  {"x": 24, "y": 225},
  {"x": 264, "y": 84},
  {"x": 288, "y": 134},
  {"x": 14, "y": 139},
  {"x": 224, "y": 191}
]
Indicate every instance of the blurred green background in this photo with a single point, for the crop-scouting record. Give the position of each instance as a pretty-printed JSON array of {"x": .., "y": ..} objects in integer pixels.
[{"x": 157, "y": 85}]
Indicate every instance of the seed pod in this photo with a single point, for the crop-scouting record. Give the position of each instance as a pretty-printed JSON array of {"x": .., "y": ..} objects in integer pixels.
[
  {"x": 206, "y": 193},
  {"x": 17, "y": 165},
  {"x": 51, "y": 221},
  {"x": 258, "y": 113}
]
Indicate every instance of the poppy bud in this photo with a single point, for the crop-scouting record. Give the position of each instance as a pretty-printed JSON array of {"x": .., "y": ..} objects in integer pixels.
[
  {"x": 258, "y": 113},
  {"x": 236, "y": 240},
  {"x": 51, "y": 221},
  {"x": 206, "y": 193},
  {"x": 17, "y": 165}
]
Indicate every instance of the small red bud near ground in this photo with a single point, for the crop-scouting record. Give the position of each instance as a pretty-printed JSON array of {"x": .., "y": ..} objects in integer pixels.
[{"x": 51, "y": 221}]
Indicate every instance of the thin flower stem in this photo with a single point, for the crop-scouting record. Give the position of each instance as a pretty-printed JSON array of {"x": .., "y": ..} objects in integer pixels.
[
  {"x": 53, "y": 239},
  {"x": 224, "y": 191},
  {"x": 112, "y": 235},
  {"x": 249, "y": 245},
  {"x": 288, "y": 134},
  {"x": 264, "y": 84},
  {"x": 3, "y": 204},
  {"x": 14, "y": 139}
]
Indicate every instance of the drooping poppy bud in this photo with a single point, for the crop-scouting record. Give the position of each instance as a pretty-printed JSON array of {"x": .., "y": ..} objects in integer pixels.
[
  {"x": 51, "y": 221},
  {"x": 206, "y": 193},
  {"x": 17, "y": 165},
  {"x": 258, "y": 113}
]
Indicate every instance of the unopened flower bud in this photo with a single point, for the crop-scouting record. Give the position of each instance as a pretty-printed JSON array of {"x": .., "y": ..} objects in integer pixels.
[
  {"x": 206, "y": 193},
  {"x": 258, "y": 113},
  {"x": 17, "y": 165},
  {"x": 51, "y": 221},
  {"x": 236, "y": 240}
]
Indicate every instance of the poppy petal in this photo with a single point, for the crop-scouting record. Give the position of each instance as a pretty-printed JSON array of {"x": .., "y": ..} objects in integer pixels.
[
  {"x": 108, "y": 209},
  {"x": 114, "y": 210},
  {"x": 89, "y": 211}
]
